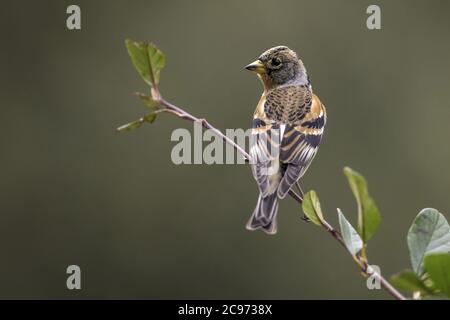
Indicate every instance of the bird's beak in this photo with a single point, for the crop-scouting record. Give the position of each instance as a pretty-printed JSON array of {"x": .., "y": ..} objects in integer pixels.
[{"x": 256, "y": 66}]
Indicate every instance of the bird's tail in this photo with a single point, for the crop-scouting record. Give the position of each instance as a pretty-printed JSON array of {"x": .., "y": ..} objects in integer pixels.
[{"x": 264, "y": 215}]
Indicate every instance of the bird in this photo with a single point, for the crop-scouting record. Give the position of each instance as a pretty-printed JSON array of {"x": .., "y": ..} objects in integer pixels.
[{"x": 287, "y": 128}]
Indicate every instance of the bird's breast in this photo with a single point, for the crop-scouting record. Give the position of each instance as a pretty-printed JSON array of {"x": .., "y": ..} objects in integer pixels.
[{"x": 288, "y": 105}]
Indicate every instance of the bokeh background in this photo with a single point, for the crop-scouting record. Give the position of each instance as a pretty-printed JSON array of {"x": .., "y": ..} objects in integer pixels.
[{"x": 72, "y": 191}]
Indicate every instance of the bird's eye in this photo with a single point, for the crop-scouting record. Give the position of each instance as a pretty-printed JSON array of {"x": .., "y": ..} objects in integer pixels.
[{"x": 275, "y": 62}]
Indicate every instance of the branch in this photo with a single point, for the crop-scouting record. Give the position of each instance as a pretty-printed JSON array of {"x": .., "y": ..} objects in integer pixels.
[
  {"x": 148, "y": 61},
  {"x": 361, "y": 262},
  {"x": 187, "y": 116}
]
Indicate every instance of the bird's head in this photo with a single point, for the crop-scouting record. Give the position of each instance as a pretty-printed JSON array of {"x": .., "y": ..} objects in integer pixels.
[{"x": 278, "y": 66}]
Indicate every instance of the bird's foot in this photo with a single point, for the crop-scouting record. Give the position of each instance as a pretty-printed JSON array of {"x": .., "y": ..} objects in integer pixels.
[{"x": 305, "y": 218}]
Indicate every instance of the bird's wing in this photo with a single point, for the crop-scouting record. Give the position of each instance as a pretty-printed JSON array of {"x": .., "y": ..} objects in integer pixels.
[
  {"x": 279, "y": 106},
  {"x": 264, "y": 148},
  {"x": 300, "y": 143}
]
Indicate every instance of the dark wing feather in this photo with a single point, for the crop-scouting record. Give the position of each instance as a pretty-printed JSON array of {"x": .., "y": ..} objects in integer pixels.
[
  {"x": 297, "y": 155},
  {"x": 300, "y": 144},
  {"x": 264, "y": 148}
]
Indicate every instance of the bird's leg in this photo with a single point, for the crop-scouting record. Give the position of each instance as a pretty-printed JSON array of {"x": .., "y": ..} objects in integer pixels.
[
  {"x": 295, "y": 196},
  {"x": 299, "y": 198},
  {"x": 300, "y": 191}
]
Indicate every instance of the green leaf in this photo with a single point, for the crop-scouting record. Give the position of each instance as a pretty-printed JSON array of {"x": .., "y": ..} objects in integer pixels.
[
  {"x": 147, "y": 59},
  {"x": 136, "y": 124},
  {"x": 148, "y": 101},
  {"x": 157, "y": 61},
  {"x": 368, "y": 214},
  {"x": 429, "y": 233},
  {"x": 409, "y": 281},
  {"x": 130, "y": 126},
  {"x": 139, "y": 57},
  {"x": 311, "y": 207},
  {"x": 352, "y": 240},
  {"x": 151, "y": 117},
  {"x": 438, "y": 267}
]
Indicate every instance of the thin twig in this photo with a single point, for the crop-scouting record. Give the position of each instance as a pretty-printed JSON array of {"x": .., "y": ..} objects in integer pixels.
[
  {"x": 187, "y": 116},
  {"x": 364, "y": 266}
]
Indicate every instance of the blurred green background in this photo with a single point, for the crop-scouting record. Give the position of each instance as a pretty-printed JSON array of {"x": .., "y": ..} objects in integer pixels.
[{"x": 72, "y": 191}]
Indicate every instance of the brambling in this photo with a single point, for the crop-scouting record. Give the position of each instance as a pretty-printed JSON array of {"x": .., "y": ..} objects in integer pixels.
[{"x": 287, "y": 128}]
